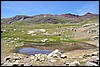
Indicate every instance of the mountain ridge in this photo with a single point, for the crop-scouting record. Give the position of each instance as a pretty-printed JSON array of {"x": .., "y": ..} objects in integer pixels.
[{"x": 49, "y": 18}]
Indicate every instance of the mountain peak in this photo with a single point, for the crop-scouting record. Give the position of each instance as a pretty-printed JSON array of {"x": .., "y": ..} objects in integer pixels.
[{"x": 88, "y": 13}]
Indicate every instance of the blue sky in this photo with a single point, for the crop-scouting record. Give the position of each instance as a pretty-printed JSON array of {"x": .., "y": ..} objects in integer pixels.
[{"x": 12, "y": 8}]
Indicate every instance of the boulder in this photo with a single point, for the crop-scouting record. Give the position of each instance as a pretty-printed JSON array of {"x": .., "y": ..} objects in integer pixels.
[
  {"x": 14, "y": 29},
  {"x": 12, "y": 41},
  {"x": 66, "y": 64},
  {"x": 30, "y": 32},
  {"x": 17, "y": 62},
  {"x": 45, "y": 40},
  {"x": 94, "y": 59},
  {"x": 42, "y": 30},
  {"x": 52, "y": 60},
  {"x": 26, "y": 59},
  {"x": 90, "y": 64},
  {"x": 32, "y": 57},
  {"x": 86, "y": 55},
  {"x": 36, "y": 30},
  {"x": 95, "y": 38},
  {"x": 55, "y": 56},
  {"x": 86, "y": 25},
  {"x": 42, "y": 59},
  {"x": 16, "y": 58},
  {"x": 74, "y": 63},
  {"x": 63, "y": 56},
  {"x": 36, "y": 59},
  {"x": 7, "y": 58},
  {"x": 95, "y": 53},
  {"x": 54, "y": 53}
]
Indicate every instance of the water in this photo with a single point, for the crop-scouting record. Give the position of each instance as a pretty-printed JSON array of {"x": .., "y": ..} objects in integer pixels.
[
  {"x": 33, "y": 51},
  {"x": 46, "y": 49}
]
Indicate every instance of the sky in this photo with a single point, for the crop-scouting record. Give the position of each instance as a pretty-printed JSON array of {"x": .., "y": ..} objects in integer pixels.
[{"x": 31, "y": 8}]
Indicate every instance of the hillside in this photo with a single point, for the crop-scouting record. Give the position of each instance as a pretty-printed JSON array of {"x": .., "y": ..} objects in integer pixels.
[
  {"x": 49, "y": 18},
  {"x": 50, "y": 40}
]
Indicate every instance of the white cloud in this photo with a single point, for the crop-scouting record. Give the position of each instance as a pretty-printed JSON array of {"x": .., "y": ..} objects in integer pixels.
[
  {"x": 90, "y": 7},
  {"x": 21, "y": 10}
]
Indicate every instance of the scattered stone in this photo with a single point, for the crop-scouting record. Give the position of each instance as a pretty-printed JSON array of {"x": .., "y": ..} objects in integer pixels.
[
  {"x": 16, "y": 62},
  {"x": 63, "y": 56},
  {"x": 55, "y": 56},
  {"x": 30, "y": 32},
  {"x": 86, "y": 25},
  {"x": 7, "y": 58},
  {"x": 36, "y": 30},
  {"x": 27, "y": 59},
  {"x": 52, "y": 60},
  {"x": 35, "y": 59},
  {"x": 26, "y": 64},
  {"x": 16, "y": 45},
  {"x": 45, "y": 40},
  {"x": 54, "y": 52},
  {"x": 90, "y": 64},
  {"x": 74, "y": 63},
  {"x": 86, "y": 55},
  {"x": 33, "y": 34},
  {"x": 95, "y": 53},
  {"x": 16, "y": 58},
  {"x": 12, "y": 41},
  {"x": 6, "y": 44},
  {"x": 42, "y": 59},
  {"x": 42, "y": 30},
  {"x": 66, "y": 63},
  {"x": 32, "y": 57},
  {"x": 14, "y": 29}
]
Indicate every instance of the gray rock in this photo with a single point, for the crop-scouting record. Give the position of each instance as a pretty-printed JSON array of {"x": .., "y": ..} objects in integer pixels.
[
  {"x": 86, "y": 55},
  {"x": 55, "y": 56},
  {"x": 42, "y": 59},
  {"x": 95, "y": 53},
  {"x": 95, "y": 38},
  {"x": 7, "y": 58},
  {"x": 32, "y": 57},
  {"x": 74, "y": 63},
  {"x": 27, "y": 59},
  {"x": 16, "y": 58},
  {"x": 55, "y": 53},
  {"x": 52, "y": 60},
  {"x": 27, "y": 64},
  {"x": 63, "y": 56},
  {"x": 36, "y": 59},
  {"x": 90, "y": 64}
]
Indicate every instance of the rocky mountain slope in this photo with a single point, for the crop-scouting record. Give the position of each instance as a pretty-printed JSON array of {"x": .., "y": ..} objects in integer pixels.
[{"x": 49, "y": 18}]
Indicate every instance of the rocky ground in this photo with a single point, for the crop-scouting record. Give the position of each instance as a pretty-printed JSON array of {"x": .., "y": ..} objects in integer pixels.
[{"x": 55, "y": 58}]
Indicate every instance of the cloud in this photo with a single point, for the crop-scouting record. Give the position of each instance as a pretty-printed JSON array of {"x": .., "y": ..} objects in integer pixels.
[
  {"x": 17, "y": 9},
  {"x": 90, "y": 7}
]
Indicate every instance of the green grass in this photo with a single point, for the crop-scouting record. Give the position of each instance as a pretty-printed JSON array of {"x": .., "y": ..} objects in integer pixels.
[
  {"x": 51, "y": 28},
  {"x": 82, "y": 63},
  {"x": 24, "y": 36}
]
